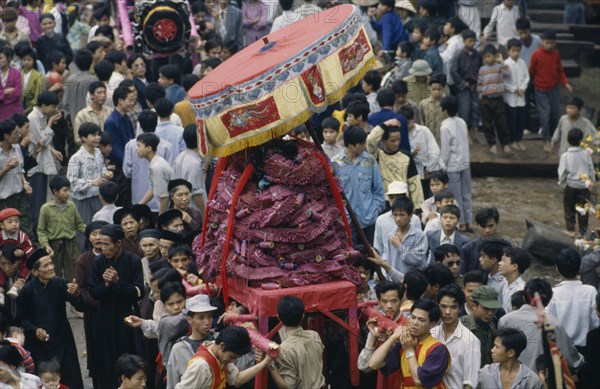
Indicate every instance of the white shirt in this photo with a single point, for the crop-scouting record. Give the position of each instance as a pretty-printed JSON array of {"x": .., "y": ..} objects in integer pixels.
[
  {"x": 518, "y": 79},
  {"x": 285, "y": 19},
  {"x": 385, "y": 226},
  {"x": 574, "y": 305},
  {"x": 444, "y": 239},
  {"x": 429, "y": 156},
  {"x": 465, "y": 353},
  {"x": 39, "y": 129},
  {"x": 509, "y": 290},
  {"x": 505, "y": 21},
  {"x": 82, "y": 170},
  {"x": 453, "y": 48},
  {"x": 454, "y": 153}
]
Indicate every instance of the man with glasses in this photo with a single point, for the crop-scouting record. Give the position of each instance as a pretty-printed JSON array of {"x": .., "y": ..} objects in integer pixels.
[{"x": 449, "y": 256}]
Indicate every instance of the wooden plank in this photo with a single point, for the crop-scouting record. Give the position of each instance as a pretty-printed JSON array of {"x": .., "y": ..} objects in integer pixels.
[
  {"x": 541, "y": 27},
  {"x": 547, "y": 15},
  {"x": 586, "y": 32}
]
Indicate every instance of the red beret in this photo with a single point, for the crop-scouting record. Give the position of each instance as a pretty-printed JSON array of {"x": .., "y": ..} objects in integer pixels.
[{"x": 8, "y": 212}]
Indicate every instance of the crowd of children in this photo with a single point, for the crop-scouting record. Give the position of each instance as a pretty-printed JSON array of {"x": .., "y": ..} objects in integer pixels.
[{"x": 113, "y": 136}]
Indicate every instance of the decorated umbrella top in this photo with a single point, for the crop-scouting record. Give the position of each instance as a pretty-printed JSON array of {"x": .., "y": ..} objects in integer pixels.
[{"x": 277, "y": 83}]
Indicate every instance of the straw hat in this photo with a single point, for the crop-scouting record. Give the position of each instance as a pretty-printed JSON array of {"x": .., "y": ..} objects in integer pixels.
[
  {"x": 405, "y": 4},
  {"x": 365, "y": 3}
]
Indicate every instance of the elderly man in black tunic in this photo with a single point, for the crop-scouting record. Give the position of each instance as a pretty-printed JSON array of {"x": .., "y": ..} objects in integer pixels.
[
  {"x": 117, "y": 283},
  {"x": 44, "y": 319}
]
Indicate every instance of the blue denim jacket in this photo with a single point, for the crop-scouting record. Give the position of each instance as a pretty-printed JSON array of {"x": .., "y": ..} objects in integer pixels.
[{"x": 362, "y": 184}]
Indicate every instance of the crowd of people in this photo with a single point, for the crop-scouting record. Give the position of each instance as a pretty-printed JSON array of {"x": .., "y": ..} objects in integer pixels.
[{"x": 112, "y": 135}]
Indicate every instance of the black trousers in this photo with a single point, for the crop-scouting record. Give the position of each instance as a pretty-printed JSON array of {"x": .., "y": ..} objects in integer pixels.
[
  {"x": 571, "y": 198},
  {"x": 493, "y": 115}
]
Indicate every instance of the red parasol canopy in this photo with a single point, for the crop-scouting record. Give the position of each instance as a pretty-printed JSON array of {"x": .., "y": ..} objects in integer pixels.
[{"x": 277, "y": 83}]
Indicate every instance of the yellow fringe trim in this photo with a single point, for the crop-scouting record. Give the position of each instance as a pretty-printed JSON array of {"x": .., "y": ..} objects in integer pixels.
[
  {"x": 260, "y": 138},
  {"x": 287, "y": 126}
]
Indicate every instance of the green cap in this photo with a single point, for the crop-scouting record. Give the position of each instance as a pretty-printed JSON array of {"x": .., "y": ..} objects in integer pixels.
[{"x": 487, "y": 296}]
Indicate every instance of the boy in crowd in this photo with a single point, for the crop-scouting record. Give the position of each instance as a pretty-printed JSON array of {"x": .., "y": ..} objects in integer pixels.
[
  {"x": 429, "y": 50},
  {"x": 159, "y": 171},
  {"x": 349, "y": 164},
  {"x": 507, "y": 371},
  {"x": 370, "y": 85},
  {"x": 442, "y": 198},
  {"x": 199, "y": 316},
  {"x": 357, "y": 114},
  {"x": 490, "y": 256},
  {"x": 573, "y": 119},
  {"x": 385, "y": 224},
  {"x": 448, "y": 255},
  {"x": 462, "y": 344},
  {"x": 453, "y": 28},
  {"x": 504, "y": 18},
  {"x": 425, "y": 149},
  {"x": 103, "y": 71},
  {"x": 165, "y": 129},
  {"x": 86, "y": 172},
  {"x": 395, "y": 164},
  {"x": 577, "y": 176},
  {"x": 49, "y": 372},
  {"x": 400, "y": 88},
  {"x": 572, "y": 302},
  {"x": 135, "y": 167},
  {"x": 480, "y": 320},
  {"x": 169, "y": 77},
  {"x": 455, "y": 156},
  {"x": 513, "y": 264},
  {"x": 418, "y": 81},
  {"x": 438, "y": 181},
  {"x": 13, "y": 274},
  {"x": 529, "y": 42},
  {"x": 190, "y": 167},
  {"x": 386, "y": 98},
  {"x": 406, "y": 247},
  {"x": 58, "y": 226},
  {"x": 330, "y": 145},
  {"x": 487, "y": 220},
  {"x": 471, "y": 281},
  {"x": 464, "y": 72},
  {"x": 41, "y": 119},
  {"x": 448, "y": 233},
  {"x": 547, "y": 73},
  {"x": 431, "y": 111},
  {"x": 108, "y": 193},
  {"x": 490, "y": 86},
  {"x": 514, "y": 94}
]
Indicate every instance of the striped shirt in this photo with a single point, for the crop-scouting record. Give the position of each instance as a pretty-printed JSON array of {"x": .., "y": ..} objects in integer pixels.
[{"x": 490, "y": 81}]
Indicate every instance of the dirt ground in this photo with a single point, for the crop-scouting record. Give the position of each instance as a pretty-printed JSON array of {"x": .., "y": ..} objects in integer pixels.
[{"x": 517, "y": 199}]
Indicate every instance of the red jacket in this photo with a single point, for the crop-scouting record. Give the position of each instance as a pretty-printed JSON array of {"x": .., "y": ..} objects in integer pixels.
[{"x": 546, "y": 69}]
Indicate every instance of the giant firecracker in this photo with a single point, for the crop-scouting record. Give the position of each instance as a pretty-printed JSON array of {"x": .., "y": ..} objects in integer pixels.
[{"x": 288, "y": 225}]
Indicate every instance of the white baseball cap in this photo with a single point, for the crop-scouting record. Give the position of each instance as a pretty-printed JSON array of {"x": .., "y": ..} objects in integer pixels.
[
  {"x": 397, "y": 188},
  {"x": 199, "y": 303}
]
